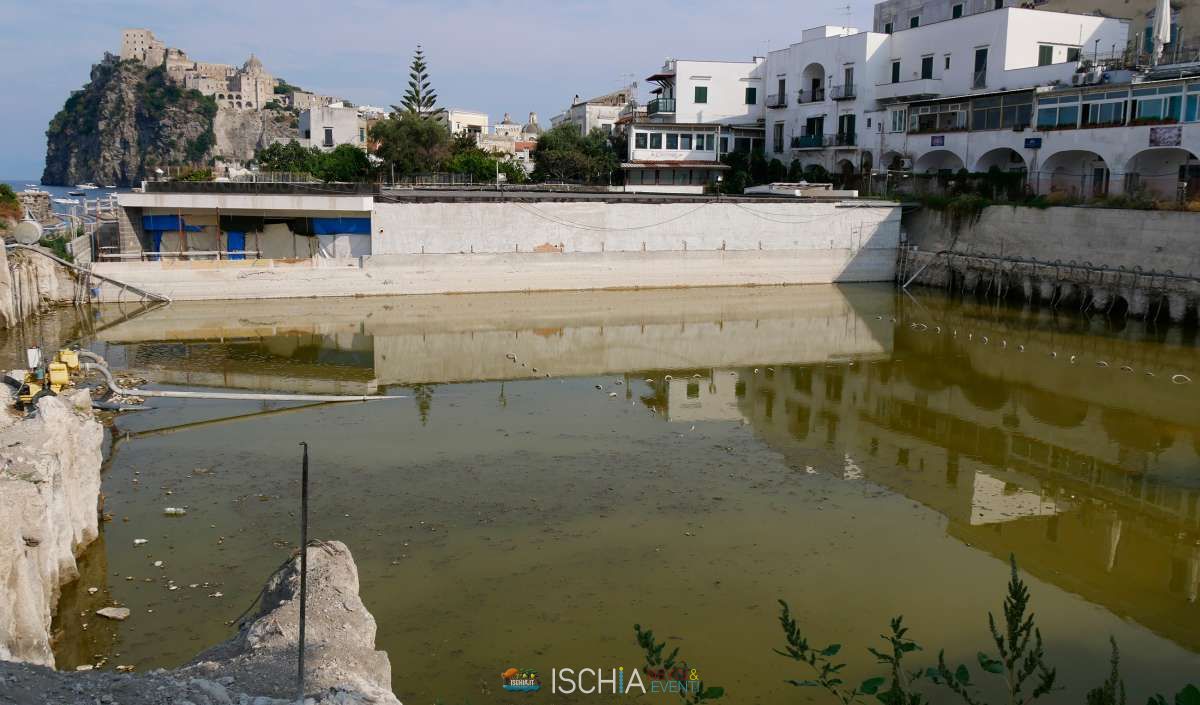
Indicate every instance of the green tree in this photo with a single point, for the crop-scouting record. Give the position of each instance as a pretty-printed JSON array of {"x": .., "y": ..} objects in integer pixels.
[
  {"x": 420, "y": 99},
  {"x": 776, "y": 171},
  {"x": 345, "y": 163},
  {"x": 563, "y": 154},
  {"x": 292, "y": 156},
  {"x": 411, "y": 144},
  {"x": 795, "y": 171}
]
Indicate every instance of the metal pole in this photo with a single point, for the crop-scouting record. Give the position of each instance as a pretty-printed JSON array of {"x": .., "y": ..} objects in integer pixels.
[{"x": 303, "y": 569}]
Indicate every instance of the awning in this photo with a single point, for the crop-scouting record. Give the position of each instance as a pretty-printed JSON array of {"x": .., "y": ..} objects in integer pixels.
[{"x": 341, "y": 226}]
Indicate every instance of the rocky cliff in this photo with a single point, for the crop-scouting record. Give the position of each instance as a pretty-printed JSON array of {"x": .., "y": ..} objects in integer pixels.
[
  {"x": 240, "y": 133},
  {"x": 126, "y": 121}
]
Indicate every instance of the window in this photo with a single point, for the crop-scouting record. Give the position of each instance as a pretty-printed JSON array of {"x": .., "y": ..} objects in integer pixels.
[
  {"x": 1045, "y": 55},
  {"x": 947, "y": 66},
  {"x": 777, "y": 142},
  {"x": 751, "y": 95},
  {"x": 956, "y": 11},
  {"x": 672, "y": 140},
  {"x": 724, "y": 144},
  {"x": 328, "y": 137},
  {"x": 895, "y": 72},
  {"x": 639, "y": 140},
  {"x": 655, "y": 140},
  {"x": 1058, "y": 113},
  {"x": 685, "y": 141},
  {"x": 998, "y": 5},
  {"x": 1001, "y": 112},
  {"x": 889, "y": 28},
  {"x": 701, "y": 94},
  {"x": 914, "y": 22},
  {"x": 362, "y": 134},
  {"x": 1073, "y": 55},
  {"x": 926, "y": 67},
  {"x": 899, "y": 118},
  {"x": 944, "y": 117},
  {"x": 981, "y": 62}
]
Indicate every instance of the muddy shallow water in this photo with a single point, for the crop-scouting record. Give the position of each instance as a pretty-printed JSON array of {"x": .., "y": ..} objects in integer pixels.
[{"x": 854, "y": 451}]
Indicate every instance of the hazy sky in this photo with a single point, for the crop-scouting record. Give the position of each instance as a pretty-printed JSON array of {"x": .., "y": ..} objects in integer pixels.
[{"x": 512, "y": 56}]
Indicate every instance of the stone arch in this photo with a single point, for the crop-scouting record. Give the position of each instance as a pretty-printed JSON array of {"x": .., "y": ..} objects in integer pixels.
[
  {"x": 812, "y": 83},
  {"x": 1078, "y": 173},
  {"x": 938, "y": 160},
  {"x": 867, "y": 162},
  {"x": 1004, "y": 158},
  {"x": 220, "y": 96},
  {"x": 844, "y": 174},
  {"x": 249, "y": 104},
  {"x": 239, "y": 104},
  {"x": 1162, "y": 171},
  {"x": 892, "y": 161}
]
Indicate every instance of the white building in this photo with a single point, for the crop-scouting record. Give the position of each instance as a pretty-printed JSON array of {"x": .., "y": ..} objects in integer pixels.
[
  {"x": 464, "y": 122},
  {"x": 326, "y": 127},
  {"x": 599, "y": 113},
  {"x": 969, "y": 92},
  {"x": 700, "y": 111}
]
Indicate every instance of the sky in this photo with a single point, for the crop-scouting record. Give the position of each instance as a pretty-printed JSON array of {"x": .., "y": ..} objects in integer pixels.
[{"x": 514, "y": 56}]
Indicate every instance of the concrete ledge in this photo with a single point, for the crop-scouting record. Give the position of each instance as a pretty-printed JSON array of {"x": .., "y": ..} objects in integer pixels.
[{"x": 451, "y": 274}]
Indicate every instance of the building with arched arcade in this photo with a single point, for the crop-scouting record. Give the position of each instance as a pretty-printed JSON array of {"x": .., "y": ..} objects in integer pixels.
[{"x": 1049, "y": 94}]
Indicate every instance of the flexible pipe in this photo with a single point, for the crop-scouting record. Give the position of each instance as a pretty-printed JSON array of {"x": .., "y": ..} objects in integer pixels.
[{"x": 235, "y": 396}]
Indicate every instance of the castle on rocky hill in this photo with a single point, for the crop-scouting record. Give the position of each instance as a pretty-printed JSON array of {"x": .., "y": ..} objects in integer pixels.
[{"x": 248, "y": 87}]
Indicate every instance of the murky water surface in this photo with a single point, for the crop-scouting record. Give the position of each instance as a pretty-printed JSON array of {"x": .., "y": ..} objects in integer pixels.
[{"x": 677, "y": 459}]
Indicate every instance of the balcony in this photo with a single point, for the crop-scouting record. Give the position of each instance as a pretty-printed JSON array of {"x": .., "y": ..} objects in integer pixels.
[
  {"x": 906, "y": 91},
  {"x": 777, "y": 100},
  {"x": 660, "y": 106},
  {"x": 812, "y": 142},
  {"x": 842, "y": 92},
  {"x": 813, "y": 96},
  {"x": 845, "y": 139}
]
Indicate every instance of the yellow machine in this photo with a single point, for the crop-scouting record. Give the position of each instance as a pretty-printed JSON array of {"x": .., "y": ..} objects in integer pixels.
[{"x": 50, "y": 378}]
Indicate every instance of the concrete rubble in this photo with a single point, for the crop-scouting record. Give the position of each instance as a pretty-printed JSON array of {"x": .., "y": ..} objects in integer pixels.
[
  {"x": 49, "y": 487},
  {"x": 258, "y": 665},
  {"x": 49, "y": 493}
]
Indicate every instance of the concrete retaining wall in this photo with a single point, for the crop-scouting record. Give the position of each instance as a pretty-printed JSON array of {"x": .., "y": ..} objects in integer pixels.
[
  {"x": 1147, "y": 262},
  {"x": 598, "y": 226},
  {"x": 30, "y": 283},
  {"x": 479, "y": 246}
]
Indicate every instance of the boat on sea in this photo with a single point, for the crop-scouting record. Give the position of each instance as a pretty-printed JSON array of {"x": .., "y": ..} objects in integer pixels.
[
  {"x": 74, "y": 193},
  {"x": 111, "y": 187},
  {"x": 89, "y": 186},
  {"x": 33, "y": 189},
  {"x": 66, "y": 201}
]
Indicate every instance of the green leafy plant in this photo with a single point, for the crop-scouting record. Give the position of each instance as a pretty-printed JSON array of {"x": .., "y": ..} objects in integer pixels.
[
  {"x": 1112, "y": 691},
  {"x": 1021, "y": 654},
  {"x": 826, "y": 670},
  {"x": 656, "y": 662},
  {"x": 900, "y": 691},
  {"x": 1190, "y": 695}
]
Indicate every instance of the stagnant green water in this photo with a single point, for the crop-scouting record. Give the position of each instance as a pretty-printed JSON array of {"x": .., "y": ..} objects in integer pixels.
[{"x": 854, "y": 451}]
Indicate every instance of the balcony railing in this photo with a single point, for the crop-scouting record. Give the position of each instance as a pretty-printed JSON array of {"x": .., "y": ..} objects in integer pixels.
[
  {"x": 777, "y": 100},
  {"x": 814, "y": 96},
  {"x": 842, "y": 92},
  {"x": 660, "y": 105},
  {"x": 845, "y": 139},
  {"x": 811, "y": 141}
]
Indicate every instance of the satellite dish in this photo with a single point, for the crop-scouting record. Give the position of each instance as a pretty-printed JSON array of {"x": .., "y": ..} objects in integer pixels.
[{"x": 28, "y": 232}]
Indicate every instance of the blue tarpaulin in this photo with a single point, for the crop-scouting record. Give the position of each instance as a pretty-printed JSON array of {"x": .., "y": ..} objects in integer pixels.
[
  {"x": 235, "y": 241},
  {"x": 167, "y": 222},
  {"x": 341, "y": 226}
]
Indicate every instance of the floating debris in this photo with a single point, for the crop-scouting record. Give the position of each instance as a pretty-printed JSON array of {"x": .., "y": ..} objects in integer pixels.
[
  {"x": 174, "y": 511},
  {"x": 158, "y": 564},
  {"x": 139, "y": 542},
  {"x": 118, "y": 614}
]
